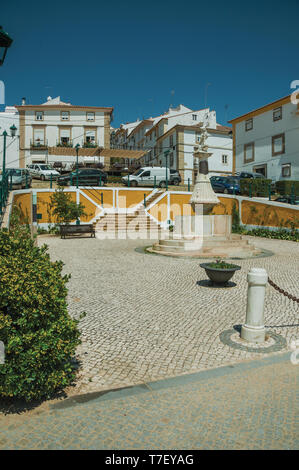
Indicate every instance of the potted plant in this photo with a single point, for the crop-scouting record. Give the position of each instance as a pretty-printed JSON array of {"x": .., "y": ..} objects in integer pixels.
[{"x": 220, "y": 272}]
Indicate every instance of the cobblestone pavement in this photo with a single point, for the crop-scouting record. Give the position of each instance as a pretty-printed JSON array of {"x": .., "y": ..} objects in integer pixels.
[
  {"x": 247, "y": 406},
  {"x": 147, "y": 316}
]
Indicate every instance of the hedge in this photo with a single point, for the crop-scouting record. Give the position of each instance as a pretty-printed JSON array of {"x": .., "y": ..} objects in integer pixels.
[
  {"x": 259, "y": 187},
  {"x": 285, "y": 187}
]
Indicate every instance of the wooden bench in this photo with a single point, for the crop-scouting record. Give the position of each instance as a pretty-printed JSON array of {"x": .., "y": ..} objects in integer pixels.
[{"x": 71, "y": 229}]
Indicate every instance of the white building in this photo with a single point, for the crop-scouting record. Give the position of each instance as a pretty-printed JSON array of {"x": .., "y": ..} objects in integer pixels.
[
  {"x": 177, "y": 133},
  {"x": 266, "y": 141},
  {"x": 9, "y": 118},
  {"x": 50, "y": 131}
]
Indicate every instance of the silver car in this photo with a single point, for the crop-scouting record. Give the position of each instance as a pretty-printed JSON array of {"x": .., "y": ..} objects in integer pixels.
[{"x": 18, "y": 178}]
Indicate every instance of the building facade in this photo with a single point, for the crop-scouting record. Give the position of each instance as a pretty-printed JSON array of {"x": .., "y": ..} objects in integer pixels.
[
  {"x": 49, "y": 132},
  {"x": 266, "y": 141},
  {"x": 174, "y": 136},
  {"x": 9, "y": 118}
]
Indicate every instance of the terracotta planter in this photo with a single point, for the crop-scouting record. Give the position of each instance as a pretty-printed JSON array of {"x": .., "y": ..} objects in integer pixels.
[{"x": 220, "y": 276}]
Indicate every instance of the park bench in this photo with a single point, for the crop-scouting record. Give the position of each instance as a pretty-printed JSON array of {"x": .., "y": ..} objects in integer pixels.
[{"x": 71, "y": 229}]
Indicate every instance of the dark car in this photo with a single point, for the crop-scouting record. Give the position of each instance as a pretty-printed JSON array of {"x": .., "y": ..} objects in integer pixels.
[
  {"x": 86, "y": 177},
  {"x": 247, "y": 174},
  {"x": 226, "y": 185},
  {"x": 175, "y": 177},
  {"x": 288, "y": 200}
]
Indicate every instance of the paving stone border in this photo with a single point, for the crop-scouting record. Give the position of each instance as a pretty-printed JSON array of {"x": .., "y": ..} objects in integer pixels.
[
  {"x": 280, "y": 342},
  {"x": 147, "y": 250}
]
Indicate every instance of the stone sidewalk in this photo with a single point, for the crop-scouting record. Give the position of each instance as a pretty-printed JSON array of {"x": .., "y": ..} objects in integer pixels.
[
  {"x": 151, "y": 317},
  {"x": 251, "y": 405}
]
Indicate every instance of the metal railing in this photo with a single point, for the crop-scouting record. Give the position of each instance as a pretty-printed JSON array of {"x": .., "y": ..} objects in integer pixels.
[
  {"x": 5, "y": 187},
  {"x": 38, "y": 143}
]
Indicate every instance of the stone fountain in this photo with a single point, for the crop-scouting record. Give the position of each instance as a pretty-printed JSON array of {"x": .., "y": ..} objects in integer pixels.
[{"x": 204, "y": 234}]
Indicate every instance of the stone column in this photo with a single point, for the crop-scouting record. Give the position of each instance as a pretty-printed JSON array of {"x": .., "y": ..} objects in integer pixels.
[{"x": 254, "y": 329}]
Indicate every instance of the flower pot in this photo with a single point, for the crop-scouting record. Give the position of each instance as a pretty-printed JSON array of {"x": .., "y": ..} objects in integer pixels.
[{"x": 220, "y": 275}]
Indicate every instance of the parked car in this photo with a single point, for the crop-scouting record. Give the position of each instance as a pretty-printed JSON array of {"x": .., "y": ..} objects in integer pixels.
[
  {"x": 148, "y": 176},
  {"x": 42, "y": 171},
  {"x": 288, "y": 200},
  {"x": 226, "y": 185},
  {"x": 19, "y": 177},
  {"x": 248, "y": 174},
  {"x": 175, "y": 177},
  {"x": 86, "y": 177}
]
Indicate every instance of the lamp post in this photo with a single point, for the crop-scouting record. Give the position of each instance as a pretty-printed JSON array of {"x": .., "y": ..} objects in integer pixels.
[
  {"x": 77, "y": 165},
  {"x": 5, "y": 43},
  {"x": 166, "y": 162},
  {"x": 4, "y": 183}
]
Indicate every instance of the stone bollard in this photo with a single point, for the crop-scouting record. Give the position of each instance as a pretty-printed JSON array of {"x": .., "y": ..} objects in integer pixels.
[{"x": 254, "y": 329}]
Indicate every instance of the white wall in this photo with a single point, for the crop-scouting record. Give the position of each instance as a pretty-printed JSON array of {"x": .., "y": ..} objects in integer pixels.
[
  {"x": 263, "y": 129},
  {"x": 7, "y": 119}
]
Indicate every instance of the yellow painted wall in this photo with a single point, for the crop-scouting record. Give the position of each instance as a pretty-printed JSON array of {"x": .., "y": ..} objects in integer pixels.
[
  {"x": 95, "y": 195},
  {"x": 23, "y": 201},
  {"x": 253, "y": 213},
  {"x": 265, "y": 214},
  {"x": 128, "y": 198}
]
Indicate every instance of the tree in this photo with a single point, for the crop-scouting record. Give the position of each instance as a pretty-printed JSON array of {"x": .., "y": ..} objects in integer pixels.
[{"x": 64, "y": 208}]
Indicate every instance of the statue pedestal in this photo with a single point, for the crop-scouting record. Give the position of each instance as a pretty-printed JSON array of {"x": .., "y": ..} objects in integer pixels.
[{"x": 204, "y": 236}]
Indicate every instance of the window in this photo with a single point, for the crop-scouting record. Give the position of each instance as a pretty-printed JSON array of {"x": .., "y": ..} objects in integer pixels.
[
  {"x": 90, "y": 117},
  {"x": 277, "y": 114},
  {"x": 65, "y": 116},
  {"x": 38, "y": 137},
  {"x": 145, "y": 173},
  {"x": 39, "y": 115},
  {"x": 65, "y": 137},
  {"x": 171, "y": 141},
  {"x": 171, "y": 159},
  {"x": 278, "y": 145},
  {"x": 249, "y": 152},
  {"x": 90, "y": 136},
  {"x": 286, "y": 170},
  {"x": 194, "y": 117},
  {"x": 224, "y": 159},
  {"x": 249, "y": 124}
]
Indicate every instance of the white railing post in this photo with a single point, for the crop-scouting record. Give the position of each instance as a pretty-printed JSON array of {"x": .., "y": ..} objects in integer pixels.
[{"x": 254, "y": 328}]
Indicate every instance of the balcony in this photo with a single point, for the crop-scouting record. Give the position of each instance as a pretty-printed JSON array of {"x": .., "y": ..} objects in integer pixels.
[
  {"x": 89, "y": 144},
  {"x": 64, "y": 143},
  {"x": 39, "y": 144}
]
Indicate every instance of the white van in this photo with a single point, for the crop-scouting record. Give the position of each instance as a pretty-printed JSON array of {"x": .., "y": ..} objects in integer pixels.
[{"x": 148, "y": 176}]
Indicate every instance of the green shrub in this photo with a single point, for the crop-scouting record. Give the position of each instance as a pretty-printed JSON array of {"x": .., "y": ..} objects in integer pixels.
[
  {"x": 280, "y": 234},
  {"x": 285, "y": 187},
  {"x": 39, "y": 336},
  {"x": 259, "y": 187}
]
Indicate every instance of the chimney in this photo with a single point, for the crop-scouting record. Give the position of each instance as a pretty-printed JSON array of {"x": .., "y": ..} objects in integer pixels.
[{"x": 23, "y": 101}]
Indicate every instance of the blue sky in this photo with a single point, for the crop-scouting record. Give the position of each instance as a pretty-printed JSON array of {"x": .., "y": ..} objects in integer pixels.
[{"x": 140, "y": 57}]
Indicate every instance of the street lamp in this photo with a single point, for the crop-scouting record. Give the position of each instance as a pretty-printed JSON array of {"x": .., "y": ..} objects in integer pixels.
[
  {"x": 166, "y": 159},
  {"x": 77, "y": 165},
  {"x": 4, "y": 181},
  {"x": 13, "y": 130},
  {"x": 5, "y": 43}
]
